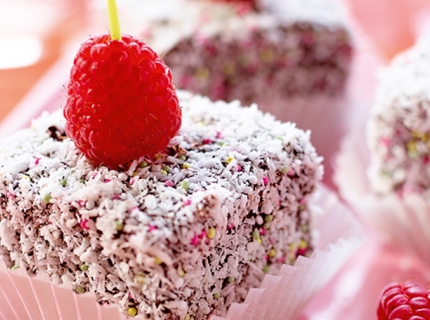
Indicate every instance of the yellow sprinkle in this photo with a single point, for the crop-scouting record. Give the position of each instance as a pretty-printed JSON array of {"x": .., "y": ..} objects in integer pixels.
[
  {"x": 412, "y": 149},
  {"x": 217, "y": 295},
  {"x": 186, "y": 165},
  {"x": 163, "y": 172},
  {"x": 25, "y": 177},
  {"x": 259, "y": 240},
  {"x": 80, "y": 289},
  {"x": 140, "y": 279},
  {"x": 181, "y": 273},
  {"x": 293, "y": 247},
  {"x": 303, "y": 244},
  {"x": 228, "y": 68},
  {"x": 267, "y": 55},
  {"x": 211, "y": 233},
  {"x": 187, "y": 317},
  {"x": 202, "y": 73},
  {"x": 159, "y": 156},
  {"x": 132, "y": 311},
  {"x": 229, "y": 159},
  {"x": 272, "y": 253},
  {"x": 157, "y": 260}
]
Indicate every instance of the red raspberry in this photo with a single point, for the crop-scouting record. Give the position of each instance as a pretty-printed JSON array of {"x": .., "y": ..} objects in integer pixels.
[
  {"x": 121, "y": 102},
  {"x": 408, "y": 301}
]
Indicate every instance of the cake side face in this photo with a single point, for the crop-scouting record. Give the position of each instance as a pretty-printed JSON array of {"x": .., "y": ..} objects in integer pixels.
[
  {"x": 183, "y": 235},
  {"x": 399, "y": 127}
]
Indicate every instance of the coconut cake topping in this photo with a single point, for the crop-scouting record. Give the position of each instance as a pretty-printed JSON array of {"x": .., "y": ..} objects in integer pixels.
[
  {"x": 183, "y": 235},
  {"x": 399, "y": 129}
]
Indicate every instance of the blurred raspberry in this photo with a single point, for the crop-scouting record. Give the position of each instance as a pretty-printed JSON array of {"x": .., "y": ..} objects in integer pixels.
[
  {"x": 121, "y": 102},
  {"x": 408, "y": 301}
]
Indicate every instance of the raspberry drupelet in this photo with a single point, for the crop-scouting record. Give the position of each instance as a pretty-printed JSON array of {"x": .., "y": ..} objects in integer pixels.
[
  {"x": 406, "y": 301},
  {"x": 121, "y": 102}
]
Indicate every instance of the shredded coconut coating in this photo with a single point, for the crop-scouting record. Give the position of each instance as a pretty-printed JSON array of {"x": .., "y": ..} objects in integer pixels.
[
  {"x": 182, "y": 236},
  {"x": 399, "y": 125}
]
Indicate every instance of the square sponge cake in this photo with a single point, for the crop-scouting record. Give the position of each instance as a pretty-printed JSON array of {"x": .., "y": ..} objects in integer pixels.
[{"x": 180, "y": 236}]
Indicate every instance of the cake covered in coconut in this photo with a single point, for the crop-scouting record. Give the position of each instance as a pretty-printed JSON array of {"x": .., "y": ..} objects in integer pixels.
[
  {"x": 264, "y": 51},
  {"x": 399, "y": 125},
  {"x": 179, "y": 236}
]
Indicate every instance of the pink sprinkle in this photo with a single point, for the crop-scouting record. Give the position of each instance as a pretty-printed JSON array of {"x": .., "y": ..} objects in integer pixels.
[
  {"x": 84, "y": 224},
  {"x": 302, "y": 201},
  {"x": 152, "y": 228},
  {"x": 207, "y": 141},
  {"x": 291, "y": 173},
  {"x": 195, "y": 240},
  {"x": 231, "y": 226},
  {"x": 132, "y": 180},
  {"x": 187, "y": 202},
  {"x": 239, "y": 168},
  {"x": 265, "y": 181},
  {"x": 219, "y": 135},
  {"x": 385, "y": 141},
  {"x": 107, "y": 180},
  {"x": 202, "y": 234},
  {"x": 301, "y": 252},
  {"x": 262, "y": 231},
  {"x": 81, "y": 203},
  {"x": 169, "y": 183},
  {"x": 426, "y": 160},
  {"x": 116, "y": 197},
  {"x": 10, "y": 195},
  {"x": 266, "y": 257},
  {"x": 36, "y": 162},
  {"x": 242, "y": 9},
  {"x": 281, "y": 259}
]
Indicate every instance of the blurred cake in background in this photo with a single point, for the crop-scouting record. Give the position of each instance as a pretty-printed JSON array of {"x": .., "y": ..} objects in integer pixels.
[
  {"x": 399, "y": 126},
  {"x": 265, "y": 52}
]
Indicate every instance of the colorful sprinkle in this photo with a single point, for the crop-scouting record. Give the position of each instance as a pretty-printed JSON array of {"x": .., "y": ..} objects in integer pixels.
[
  {"x": 84, "y": 224},
  {"x": 157, "y": 260},
  {"x": 186, "y": 166},
  {"x": 229, "y": 159},
  {"x": 185, "y": 184},
  {"x": 216, "y": 295},
  {"x": 84, "y": 267},
  {"x": 169, "y": 183},
  {"x": 211, "y": 233},
  {"x": 265, "y": 181},
  {"x": 187, "y": 202},
  {"x": 80, "y": 289},
  {"x": 132, "y": 311},
  {"x": 231, "y": 279},
  {"x": 143, "y": 164},
  {"x": 36, "y": 162},
  {"x": 119, "y": 225},
  {"x": 63, "y": 182},
  {"x": 140, "y": 278},
  {"x": 47, "y": 198},
  {"x": 181, "y": 273}
]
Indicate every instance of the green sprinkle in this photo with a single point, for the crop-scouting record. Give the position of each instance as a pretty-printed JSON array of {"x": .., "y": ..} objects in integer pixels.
[
  {"x": 301, "y": 207},
  {"x": 185, "y": 184},
  {"x": 80, "y": 289},
  {"x": 63, "y": 182},
  {"x": 14, "y": 267},
  {"x": 231, "y": 279},
  {"x": 166, "y": 168},
  {"x": 285, "y": 169},
  {"x": 84, "y": 267},
  {"x": 268, "y": 218},
  {"x": 82, "y": 180},
  {"x": 266, "y": 269},
  {"x": 221, "y": 143},
  {"x": 47, "y": 198},
  {"x": 267, "y": 225},
  {"x": 132, "y": 311},
  {"x": 143, "y": 164},
  {"x": 181, "y": 273},
  {"x": 305, "y": 228},
  {"x": 183, "y": 158},
  {"x": 211, "y": 233},
  {"x": 216, "y": 295},
  {"x": 187, "y": 317},
  {"x": 119, "y": 225},
  {"x": 256, "y": 234}
]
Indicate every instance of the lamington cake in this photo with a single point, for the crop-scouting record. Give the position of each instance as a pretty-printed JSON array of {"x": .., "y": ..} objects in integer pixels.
[
  {"x": 181, "y": 236},
  {"x": 399, "y": 125},
  {"x": 265, "y": 52}
]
